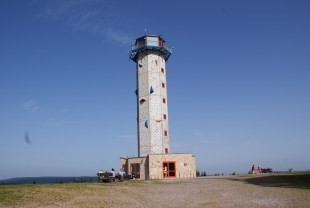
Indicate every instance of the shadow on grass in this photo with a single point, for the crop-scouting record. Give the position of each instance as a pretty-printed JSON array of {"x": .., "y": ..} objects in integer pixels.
[{"x": 301, "y": 181}]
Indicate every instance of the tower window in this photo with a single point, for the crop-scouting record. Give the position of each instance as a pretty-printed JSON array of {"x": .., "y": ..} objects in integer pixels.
[
  {"x": 163, "y": 85},
  {"x": 164, "y": 100},
  {"x": 165, "y": 116},
  {"x": 166, "y": 150},
  {"x": 162, "y": 70},
  {"x": 165, "y": 133}
]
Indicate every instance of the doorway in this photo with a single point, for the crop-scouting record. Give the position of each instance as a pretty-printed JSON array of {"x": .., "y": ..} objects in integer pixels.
[
  {"x": 135, "y": 170},
  {"x": 169, "y": 169}
]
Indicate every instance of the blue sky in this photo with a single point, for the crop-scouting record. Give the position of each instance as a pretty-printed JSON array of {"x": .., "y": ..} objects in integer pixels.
[{"x": 238, "y": 83}]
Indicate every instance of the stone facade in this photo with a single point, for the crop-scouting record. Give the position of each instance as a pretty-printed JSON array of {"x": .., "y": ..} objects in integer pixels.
[
  {"x": 153, "y": 132},
  {"x": 160, "y": 166}
]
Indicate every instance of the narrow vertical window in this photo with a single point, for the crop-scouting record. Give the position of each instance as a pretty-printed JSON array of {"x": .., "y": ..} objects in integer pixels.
[
  {"x": 162, "y": 70},
  {"x": 165, "y": 116},
  {"x": 163, "y": 85},
  {"x": 166, "y": 150},
  {"x": 165, "y": 133},
  {"x": 164, "y": 100}
]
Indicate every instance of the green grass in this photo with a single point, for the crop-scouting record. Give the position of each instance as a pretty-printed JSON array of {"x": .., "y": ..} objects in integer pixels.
[
  {"x": 35, "y": 195},
  {"x": 206, "y": 204},
  {"x": 40, "y": 194}
]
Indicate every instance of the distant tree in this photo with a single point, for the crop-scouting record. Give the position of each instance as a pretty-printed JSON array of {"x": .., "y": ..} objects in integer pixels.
[
  {"x": 203, "y": 173},
  {"x": 34, "y": 182},
  {"x": 2, "y": 182},
  {"x": 197, "y": 173},
  {"x": 290, "y": 170},
  {"x": 90, "y": 180},
  {"x": 61, "y": 181}
]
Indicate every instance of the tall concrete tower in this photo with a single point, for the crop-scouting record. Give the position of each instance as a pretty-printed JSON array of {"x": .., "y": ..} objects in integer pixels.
[{"x": 150, "y": 54}]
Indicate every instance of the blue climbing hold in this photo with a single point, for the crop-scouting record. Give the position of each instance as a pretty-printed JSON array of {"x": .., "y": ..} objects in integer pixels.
[{"x": 151, "y": 90}]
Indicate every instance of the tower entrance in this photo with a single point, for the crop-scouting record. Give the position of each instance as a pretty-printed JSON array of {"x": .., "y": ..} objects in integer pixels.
[
  {"x": 169, "y": 169},
  {"x": 135, "y": 169}
]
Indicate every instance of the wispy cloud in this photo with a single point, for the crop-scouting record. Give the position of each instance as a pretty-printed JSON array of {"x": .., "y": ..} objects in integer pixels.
[
  {"x": 30, "y": 105},
  {"x": 84, "y": 15}
]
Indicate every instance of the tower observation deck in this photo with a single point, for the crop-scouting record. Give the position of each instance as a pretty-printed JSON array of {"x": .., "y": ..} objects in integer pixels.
[{"x": 150, "y": 54}]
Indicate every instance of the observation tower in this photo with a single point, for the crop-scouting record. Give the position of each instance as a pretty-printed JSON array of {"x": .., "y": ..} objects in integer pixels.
[
  {"x": 150, "y": 53},
  {"x": 155, "y": 160}
]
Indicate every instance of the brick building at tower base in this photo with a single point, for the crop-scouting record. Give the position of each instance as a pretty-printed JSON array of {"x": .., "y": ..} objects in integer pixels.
[{"x": 160, "y": 166}]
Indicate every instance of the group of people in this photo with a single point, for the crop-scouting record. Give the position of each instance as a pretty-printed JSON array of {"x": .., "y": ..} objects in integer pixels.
[
  {"x": 121, "y": 174},
  {"x": 260, "y": 169}
]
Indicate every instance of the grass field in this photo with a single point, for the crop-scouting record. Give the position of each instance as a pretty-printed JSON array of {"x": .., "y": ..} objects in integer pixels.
[{"x": 274, "y": 190}]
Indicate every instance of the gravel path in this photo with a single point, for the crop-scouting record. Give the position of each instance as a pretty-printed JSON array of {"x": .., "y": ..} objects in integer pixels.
[{"x": 217, "y": 192}]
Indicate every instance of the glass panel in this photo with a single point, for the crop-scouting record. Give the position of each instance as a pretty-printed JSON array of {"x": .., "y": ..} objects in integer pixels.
[
  {"x": 171, "y": 166},
  {"x": 152, "y": 41},
  {"x": 135, "y": 170},
  {"x": 140, "y": 43}
]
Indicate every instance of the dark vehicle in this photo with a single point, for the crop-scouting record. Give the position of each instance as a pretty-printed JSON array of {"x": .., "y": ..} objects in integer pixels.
[
  {"x": 266, "y": 170},
  {"x": 107, "y": 177}
]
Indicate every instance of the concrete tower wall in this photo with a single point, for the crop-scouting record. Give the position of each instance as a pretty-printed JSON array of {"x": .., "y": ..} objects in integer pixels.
[{"x": 152, "y": 104}]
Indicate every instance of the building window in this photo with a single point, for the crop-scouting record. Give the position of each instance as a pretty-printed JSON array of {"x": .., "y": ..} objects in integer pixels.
[
  {"x": 163, "y": 85},
  {"x": 162, "y": 70},
  {"x": 164, "y": 100},
  {"x": 165, "y": 133},
  {"x": 165, "y": 116},
  {"x": 166, "y": 150},
  {"x": 169, "y": 169},
  {"x": 135, "y": 169}
]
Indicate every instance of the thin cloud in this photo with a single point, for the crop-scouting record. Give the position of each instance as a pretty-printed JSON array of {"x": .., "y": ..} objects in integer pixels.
[
  {"x": 117, "y": 36},
  {"x": 82, "y": 15},
  {"x": 31, "y": 105}
]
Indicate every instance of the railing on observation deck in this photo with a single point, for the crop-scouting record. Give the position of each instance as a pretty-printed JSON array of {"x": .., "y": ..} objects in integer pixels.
[{"x": 150, "y": 43}]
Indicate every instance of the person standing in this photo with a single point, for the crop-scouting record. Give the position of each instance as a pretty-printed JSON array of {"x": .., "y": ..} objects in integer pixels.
[
  {"x": 165, "y": 171},
  {"x": 259, "y": 169},
  {"x": 121, "y": 175},
  {"x": 253, "y": 169}
]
